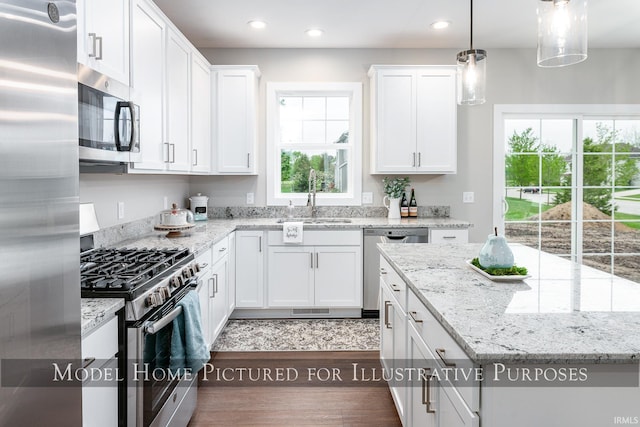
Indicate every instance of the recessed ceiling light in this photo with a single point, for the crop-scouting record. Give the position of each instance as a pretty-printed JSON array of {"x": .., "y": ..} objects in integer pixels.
[
  {"x": 257, "y": 24},
  {"x": 439, "y": 25},
  {"x": 314, "y": 32}
]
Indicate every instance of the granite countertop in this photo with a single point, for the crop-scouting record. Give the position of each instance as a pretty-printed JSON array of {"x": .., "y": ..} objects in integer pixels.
[
  {"x": 96, "y": 311},
  {"x": 562, "y": 313},
  {"x": 207, "y": 233}
]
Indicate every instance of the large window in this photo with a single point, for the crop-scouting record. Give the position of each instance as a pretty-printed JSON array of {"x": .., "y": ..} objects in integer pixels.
[
  {"x": 314, "y": 126},
  {"x": 553, "y": 156}
]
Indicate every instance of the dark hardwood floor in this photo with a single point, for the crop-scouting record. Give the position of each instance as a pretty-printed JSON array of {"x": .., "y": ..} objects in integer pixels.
[{"x": 319, "y": 402}]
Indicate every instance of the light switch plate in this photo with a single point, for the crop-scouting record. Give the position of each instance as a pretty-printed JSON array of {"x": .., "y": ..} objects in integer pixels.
[
  {"x": 250, "y": 199},
  {"x": 120, "y": 210},
  {"x": 468, "y": 197},
  {"x": 367, "y": 198}
]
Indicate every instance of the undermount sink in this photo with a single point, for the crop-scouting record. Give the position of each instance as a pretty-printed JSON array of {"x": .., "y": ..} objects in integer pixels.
[{"x": 316, "y": 220}]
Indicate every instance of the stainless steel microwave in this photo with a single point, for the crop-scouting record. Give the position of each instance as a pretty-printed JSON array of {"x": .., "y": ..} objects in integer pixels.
[{"x": 109, "y": 124}]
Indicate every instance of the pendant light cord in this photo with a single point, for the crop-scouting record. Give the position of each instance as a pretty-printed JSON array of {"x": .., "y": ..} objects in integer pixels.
[{"x": 471, "y": 26}]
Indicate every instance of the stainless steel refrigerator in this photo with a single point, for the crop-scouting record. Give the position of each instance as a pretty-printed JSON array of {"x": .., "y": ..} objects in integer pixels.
[{"x": 39, "y": 243}]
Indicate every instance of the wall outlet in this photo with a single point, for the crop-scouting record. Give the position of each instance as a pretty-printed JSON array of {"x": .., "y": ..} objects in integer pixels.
[
  {"x": 120, "y": 210},
  {"x": 250, "y": 199},
  {"x": 468, "y": 197},
  {"x": 165, "y": 202},
  {"x": 367, "y": 198}
]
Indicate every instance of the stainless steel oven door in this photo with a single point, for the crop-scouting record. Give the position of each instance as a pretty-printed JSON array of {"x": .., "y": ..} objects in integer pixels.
[{"x": 156, "y": 396}]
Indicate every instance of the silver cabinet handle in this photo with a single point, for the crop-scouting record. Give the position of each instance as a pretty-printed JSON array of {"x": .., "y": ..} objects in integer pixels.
[
  {"x": 419, "y": 159},
  {"x": 195, "y": 157},
  {"x": 426, "y": 391},
  {"x": 211, "y": 287},
  {"x": 216, "y": 284},
  {"x": 88, "y": 361},
  {"x": 413, "y": 315},
  {"x": 414, "y": 160},
  {"x": 387, "y": 304},
  {"x": 311, "y": 253},
  {"x": 260, "y": 244},
  {"x": 248, "y": 160},
  {"x": 173, "y": 153},
  {"x": 92, "y": 36},
  {"x": 440, "y": 352},
  {"x": 317, "y": 263},
  {"x": 395, "y": 288},
  {"x": 383, "y": 271},
  {"x": 99, "y": 56},
  {"x": 168, "y": 148},
  {"x": 222, "y": 249}
]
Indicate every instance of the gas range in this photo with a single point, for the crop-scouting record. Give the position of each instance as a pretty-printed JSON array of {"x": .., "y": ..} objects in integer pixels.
[{"x": 146, "y": 278}]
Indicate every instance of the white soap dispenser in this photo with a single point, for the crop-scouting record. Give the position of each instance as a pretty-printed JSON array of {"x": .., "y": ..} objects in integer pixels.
[{"x": 290, "y": 210}]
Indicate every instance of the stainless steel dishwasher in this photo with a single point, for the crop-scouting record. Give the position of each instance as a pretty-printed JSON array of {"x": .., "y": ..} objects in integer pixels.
[{"x": 372, "y": 236}]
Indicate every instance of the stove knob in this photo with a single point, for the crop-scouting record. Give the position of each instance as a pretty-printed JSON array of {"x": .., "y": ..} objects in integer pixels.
[
  {"x": 196, "y": 267},
  {"x": 165, "y": 292},
  {"x": 187, "y": 273},
  {"x": 152, "y": 300},
  {"x": 177, "y": 281}
]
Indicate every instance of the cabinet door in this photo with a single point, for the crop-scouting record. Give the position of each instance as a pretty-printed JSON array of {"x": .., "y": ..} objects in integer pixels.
[
  {"x": 422, "y": 402},
  {"x": 398, "y": 385},
  {"x": 290, "y": 276},
  {"x": 177, "y": 105},
  {"x": 103, "y": 37},
  {"x": 437, "y": 124},
  {"x": 147, "y": 86},
  {"x": 395, "y": 121},
  {"x": 386, "y": 327},
  {"x": 249, "y": 269},
  {"x": 235, "y": 123},
  {"x": 204, "y": 290},
  {"x": 231, "y": 275},
  {"x": 218, "y": 314},
  {"x": 338, "y": 276},
  {"x": 200, "y": 115}
]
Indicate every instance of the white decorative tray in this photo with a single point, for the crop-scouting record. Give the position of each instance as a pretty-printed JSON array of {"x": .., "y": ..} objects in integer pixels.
[{"x": 506, "y": 278}]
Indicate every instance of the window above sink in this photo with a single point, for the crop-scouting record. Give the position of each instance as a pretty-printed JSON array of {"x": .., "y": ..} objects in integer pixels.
[{"x": 314, "y": 126}]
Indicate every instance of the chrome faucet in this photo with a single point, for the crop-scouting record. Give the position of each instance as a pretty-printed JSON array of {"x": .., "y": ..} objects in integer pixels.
[{"x": 312, "y": 190}]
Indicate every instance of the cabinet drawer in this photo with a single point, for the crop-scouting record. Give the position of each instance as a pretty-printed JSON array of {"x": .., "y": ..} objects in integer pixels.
[
  {"x": 204, "y": 260},
  {"x": 448, "y": 236},
  {"x": 102, "y": 343},
  {"x": 220, "y": 249},
  {"x": 318, "y": 238},
  {"x": 446, "y": 351},
  {"x": 394, "y": 282}
]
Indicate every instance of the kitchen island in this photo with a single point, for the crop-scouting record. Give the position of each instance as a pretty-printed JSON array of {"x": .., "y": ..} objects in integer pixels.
[{"x": 559, "y": 348}]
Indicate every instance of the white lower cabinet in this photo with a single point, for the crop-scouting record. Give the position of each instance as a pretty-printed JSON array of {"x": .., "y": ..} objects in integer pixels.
[
  {"x": 218, "y": 304},
  {"x": 249, "y": 276},
  {"x": 204, "y": 261},
  {"x": 314, "y": 276},
  {"x": 393, "y": 341},
  {"x": 100, "y": 351}
]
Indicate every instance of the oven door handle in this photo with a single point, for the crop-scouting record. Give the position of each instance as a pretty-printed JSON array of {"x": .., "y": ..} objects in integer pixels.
[{"x": 159, "y": 324}]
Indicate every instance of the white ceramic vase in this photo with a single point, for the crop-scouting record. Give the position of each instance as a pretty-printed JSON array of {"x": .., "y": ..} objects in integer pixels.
[{"x": 393, "y": 206}]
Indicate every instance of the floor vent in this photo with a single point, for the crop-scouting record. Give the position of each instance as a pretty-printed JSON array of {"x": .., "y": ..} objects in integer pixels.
[{"x": 310, "y": 312}]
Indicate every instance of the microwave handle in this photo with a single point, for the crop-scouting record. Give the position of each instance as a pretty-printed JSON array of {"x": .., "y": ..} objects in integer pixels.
[{"x": 116, "y": 123}]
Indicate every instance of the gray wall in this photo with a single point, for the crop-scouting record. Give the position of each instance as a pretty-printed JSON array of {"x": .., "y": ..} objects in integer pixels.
[
  {"x": 607, "y": 77},
  {"x": 143, "y": 195}
]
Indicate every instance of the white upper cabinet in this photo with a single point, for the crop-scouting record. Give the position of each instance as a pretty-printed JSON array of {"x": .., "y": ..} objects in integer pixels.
[
  {"x": 177, "y": 105},
  {"x": 103, "y": 37},
  {"x": 413, "y": 119},
  {"x": 200, "y": 115},
  {"x": 147, "y": 83},
  {"x": 170, "y": 80},
  {"x": 234, "y": 119}
]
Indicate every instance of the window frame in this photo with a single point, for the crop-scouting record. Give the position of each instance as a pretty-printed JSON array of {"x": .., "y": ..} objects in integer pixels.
[
  {"x": 351, "y": 89},
  {"x": 576, "y": 112}
]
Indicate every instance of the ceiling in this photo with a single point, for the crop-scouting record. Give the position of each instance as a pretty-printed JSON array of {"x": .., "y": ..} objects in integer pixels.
[{"x": 388, "y": 23}]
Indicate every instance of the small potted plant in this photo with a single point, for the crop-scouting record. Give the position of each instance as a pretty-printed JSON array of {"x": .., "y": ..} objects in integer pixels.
[{"x": 393, "y": 189}]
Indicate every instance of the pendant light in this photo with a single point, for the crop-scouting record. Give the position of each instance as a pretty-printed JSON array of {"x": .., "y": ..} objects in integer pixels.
[
  {"x": 562, "y": 32},
  {"x": 472, "y": 75}
]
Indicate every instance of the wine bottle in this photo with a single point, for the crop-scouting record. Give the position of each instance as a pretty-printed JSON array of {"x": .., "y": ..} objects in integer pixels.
[
  {"x": 413, "y": 205},
  {"x": 404, "y": 206}
]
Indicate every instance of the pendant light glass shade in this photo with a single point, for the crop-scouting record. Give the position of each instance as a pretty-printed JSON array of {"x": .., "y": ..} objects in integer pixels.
[
  {"x": 472, "y": 76},
  {"x": 562, "y": 32},
  {"x": 472, "y": 67}
]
